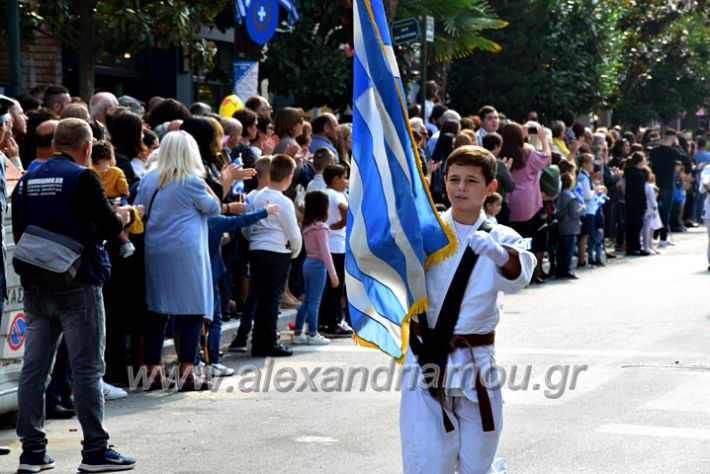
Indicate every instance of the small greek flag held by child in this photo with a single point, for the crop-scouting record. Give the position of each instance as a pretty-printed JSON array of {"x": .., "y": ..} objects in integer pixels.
[
  {"x": 393, "y": 229},
  {"x": 599, "y": 201}
]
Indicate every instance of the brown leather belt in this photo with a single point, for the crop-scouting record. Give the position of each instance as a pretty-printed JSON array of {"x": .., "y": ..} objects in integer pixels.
[
  {"x": 461, "y": 340},
  {"x": 484, "y": 403}
]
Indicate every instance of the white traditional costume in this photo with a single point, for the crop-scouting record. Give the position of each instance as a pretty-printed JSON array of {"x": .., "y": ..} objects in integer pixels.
[{"x": 427, "y": 446}]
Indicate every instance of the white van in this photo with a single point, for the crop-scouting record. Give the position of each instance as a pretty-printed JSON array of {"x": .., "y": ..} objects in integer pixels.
[{"x": 12, "y": 333}]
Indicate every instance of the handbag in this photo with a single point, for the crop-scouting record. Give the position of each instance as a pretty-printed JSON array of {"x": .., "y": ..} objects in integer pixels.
[{"x": 46, "y": 259}]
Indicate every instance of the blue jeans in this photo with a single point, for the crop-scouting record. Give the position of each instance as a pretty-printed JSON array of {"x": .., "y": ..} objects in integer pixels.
[
  {"x": 595, "y": 246},
  {"x": 565, "y": 247},
  {"x": 214, "y": 337},
  {"x": 314, "y": 276},
  {"x": 78, "y": 313}
]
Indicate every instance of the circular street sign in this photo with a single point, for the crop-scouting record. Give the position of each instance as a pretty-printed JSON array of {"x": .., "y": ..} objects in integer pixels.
[
  {"x": 262, "y": 19},
  {"x": 16, "y": 332}
]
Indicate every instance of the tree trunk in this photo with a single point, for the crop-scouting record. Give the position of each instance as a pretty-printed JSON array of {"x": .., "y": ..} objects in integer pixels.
[
  {"x": 439, "y": 73},
  {"x": 87, "y": 51},
  {"x": 391, "y": 9}
]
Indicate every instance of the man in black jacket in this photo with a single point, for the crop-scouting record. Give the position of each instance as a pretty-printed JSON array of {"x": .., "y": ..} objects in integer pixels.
[
  {"x": 635, "y": 203},
  {"x": 65, "y": 197}
]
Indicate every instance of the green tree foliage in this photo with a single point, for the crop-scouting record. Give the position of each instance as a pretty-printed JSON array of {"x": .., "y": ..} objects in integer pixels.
[
  {"x": 116, "y": 27},
  {"x": 514, "y": 78},
  {"x": 308, "y": 63},
  {"x": 458, "y": 26},
  {"x": 664, "y": 66}
]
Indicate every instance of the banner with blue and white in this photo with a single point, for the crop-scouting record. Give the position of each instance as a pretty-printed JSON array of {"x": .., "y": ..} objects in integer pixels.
[
  {"x": 241, "y": 8},
  {"x": 393, "y": 229}
]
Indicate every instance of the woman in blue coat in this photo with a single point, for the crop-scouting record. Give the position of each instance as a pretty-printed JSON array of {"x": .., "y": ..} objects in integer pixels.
[{"x": 177, "y": 261}]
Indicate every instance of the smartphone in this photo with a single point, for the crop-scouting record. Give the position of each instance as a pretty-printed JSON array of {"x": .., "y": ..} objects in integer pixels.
[{"x": 532, "y": 130}]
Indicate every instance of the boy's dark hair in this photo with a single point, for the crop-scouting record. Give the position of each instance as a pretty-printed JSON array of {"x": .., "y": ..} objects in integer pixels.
[
  {"x": 597, "y": 168},
  {"x": 492, "y": 199},
  {"x": 322, "y": 158},
  {"x": 567, "y": 180},
  {"x": 316, "y": 203},
  {"x": 702, "y": 142},
  {"x": 331, "y": 172},
  {"x": 472, "y": 155},
  {"x": 282, "y": 166},
  {"x": 491, "y": 140},
  {"x": 102, "y": 150}
]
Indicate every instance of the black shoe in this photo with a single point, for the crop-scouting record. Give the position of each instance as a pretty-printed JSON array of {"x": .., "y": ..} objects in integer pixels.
[
  {"x": 195, "y": 384},
  {"x": 537, "y": 280},
  {"x": 610, "y": 255},
  {"x": 59, "y": 412},
  {"x": 581, "y": 265},
  {"x": 633, "y": 253},
  {"x": 568, "y": 276},
  {"x": 644, "y": 253},
  {"x": 337, "y": 333},
  {"x": 276, "y": 351},
  {"x": 598, "y": 263}
]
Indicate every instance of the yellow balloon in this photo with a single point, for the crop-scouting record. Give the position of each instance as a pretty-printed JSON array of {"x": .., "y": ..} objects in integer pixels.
[{"x": 229, "y": 105}]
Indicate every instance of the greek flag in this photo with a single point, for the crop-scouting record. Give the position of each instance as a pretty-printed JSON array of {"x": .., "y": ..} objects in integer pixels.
[
  {"x": 393, "y": 229},
  {"x": 242, "y": 7}
]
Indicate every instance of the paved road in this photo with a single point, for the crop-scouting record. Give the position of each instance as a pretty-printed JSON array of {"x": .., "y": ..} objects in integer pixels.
[{"x": 637, "y": 332}]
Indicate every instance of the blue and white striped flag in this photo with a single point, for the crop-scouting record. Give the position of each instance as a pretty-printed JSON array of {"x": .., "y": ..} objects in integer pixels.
[
  {"x": 242, "y": 7},
  {"x": 393, "y": 229}
]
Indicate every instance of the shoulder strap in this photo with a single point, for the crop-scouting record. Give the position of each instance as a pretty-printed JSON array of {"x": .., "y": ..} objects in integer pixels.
[
  {"x": 146, "y": 215},
  {"x": 437, "y": 341}
]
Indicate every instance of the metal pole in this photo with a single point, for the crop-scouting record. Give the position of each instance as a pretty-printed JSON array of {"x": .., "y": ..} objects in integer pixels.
[
  {"x": 422, "y": 33},
  {"x": 13, "y": 43}
]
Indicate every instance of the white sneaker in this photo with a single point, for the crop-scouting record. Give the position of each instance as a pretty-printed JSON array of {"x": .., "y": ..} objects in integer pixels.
[
  {"x": 671, "y": 243},
  {"x": 111, "y": 392},
  {"x": 318, "y": 340},
  {"x": 299, "y": 339},
  {"x": 127, "y": 249},
  {"x": 663, "y": 243},
  {"x": 219, "y": 370},
  {"x": 344, "y": 326},
  {"x": 200, "y": 369}
]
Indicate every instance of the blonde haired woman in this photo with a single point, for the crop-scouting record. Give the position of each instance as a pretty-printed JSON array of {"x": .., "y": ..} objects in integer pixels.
[
  {"x": 177, "y": 264},
  {"x": 345, "y": 144}
]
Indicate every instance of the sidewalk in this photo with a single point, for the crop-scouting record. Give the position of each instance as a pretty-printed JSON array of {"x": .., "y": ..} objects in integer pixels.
[{"x": 229, "y": 329}]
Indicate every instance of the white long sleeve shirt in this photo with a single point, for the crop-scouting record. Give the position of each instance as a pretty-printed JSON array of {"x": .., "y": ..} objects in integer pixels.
[
  {"x": 278, "y": 232},
  {"x": 479, "y": 313}
]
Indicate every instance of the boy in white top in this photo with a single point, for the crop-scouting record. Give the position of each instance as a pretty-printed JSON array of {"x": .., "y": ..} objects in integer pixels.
[
  {"x": 322, "y": 158},
  {"x": 330, "y": 314},
  {"x": 429, "y": 444},
  {"x": 273, "y": 242},
  {"x": 262, "y": 167}
]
